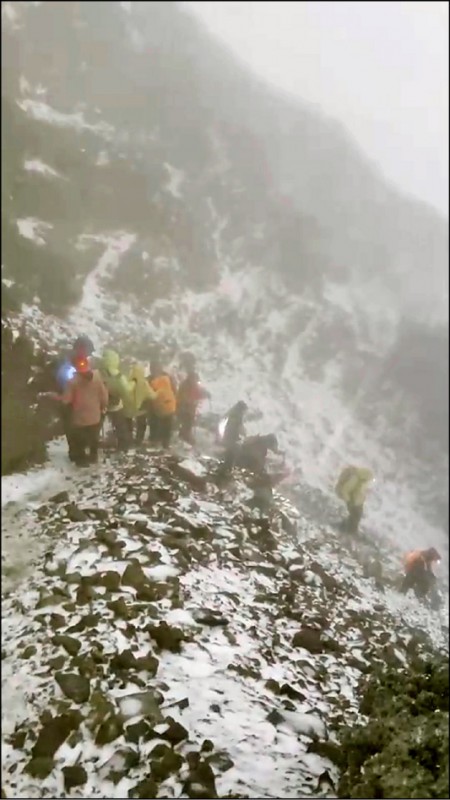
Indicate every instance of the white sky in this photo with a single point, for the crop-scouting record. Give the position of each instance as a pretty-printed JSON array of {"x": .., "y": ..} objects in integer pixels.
[{"x": 382, "y": 68}]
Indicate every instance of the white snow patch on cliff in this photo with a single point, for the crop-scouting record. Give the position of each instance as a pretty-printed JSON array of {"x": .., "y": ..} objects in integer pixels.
[
  {"x": 33, "y": 229},
  {"x": 176, "y": 178},
  {"x": 35, "y": 165},
  {"x": 45, "y": 113}
]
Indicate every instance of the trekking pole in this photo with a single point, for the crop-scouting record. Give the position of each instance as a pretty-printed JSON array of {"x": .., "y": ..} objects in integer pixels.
[{"x": 102, "y": 431}]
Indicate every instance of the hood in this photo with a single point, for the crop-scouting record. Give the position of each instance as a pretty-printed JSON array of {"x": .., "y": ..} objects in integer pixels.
[
  {"x": 111, "y": 362},
  {"x": 137, "y": 373}
]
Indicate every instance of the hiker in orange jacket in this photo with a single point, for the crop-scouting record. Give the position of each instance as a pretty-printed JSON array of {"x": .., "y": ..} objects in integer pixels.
[
  {"x": 419, "y": 574},
  {"x": 163, "y": 408},
  {"x": 190, "y": 395}
]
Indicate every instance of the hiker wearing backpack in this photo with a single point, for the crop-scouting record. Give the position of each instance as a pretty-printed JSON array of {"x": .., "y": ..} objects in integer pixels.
[
  {"x": 137, "y": 406},
  {"x": 253, "y": 451},
  {"x": 119, "y": 391},
  {"x": 419, "y": 574},
  {"x": 190, "y": 395},
  {"x": 163, "y": 408},
  {"x": 352, "y": 488}
]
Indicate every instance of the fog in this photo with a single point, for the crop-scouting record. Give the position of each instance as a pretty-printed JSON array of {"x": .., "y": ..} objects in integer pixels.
[{"x": 380, "y": 68}]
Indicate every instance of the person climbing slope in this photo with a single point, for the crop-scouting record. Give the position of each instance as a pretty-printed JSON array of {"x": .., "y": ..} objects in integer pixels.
[
  {"x": 138, "y": 403},
  {"x": 163, "y": 408},
  {"x": 419, "y": 574},
  {"x": 352, "y": 488},
  {"x": 87, "y": 396},
  {"x": 233, "y": 430},
  {"x": 190, "y": 395},
  {"x": 119, "y": 393}
]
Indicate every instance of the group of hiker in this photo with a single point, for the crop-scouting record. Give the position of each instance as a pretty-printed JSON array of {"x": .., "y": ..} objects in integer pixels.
[
  {"x": 352, "y": 487},
  {"x": 134, "y": 401},
  {"x": 89, "y": 392}
]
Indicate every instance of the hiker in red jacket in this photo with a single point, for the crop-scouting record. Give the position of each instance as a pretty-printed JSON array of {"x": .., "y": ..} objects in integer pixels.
[{"x": 190, "y": 395}]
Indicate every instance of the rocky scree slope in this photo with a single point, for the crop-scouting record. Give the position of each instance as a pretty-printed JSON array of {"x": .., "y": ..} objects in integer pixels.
[
  {"x": 172, "y": 639},
  {"x": 224, "y": 201}
]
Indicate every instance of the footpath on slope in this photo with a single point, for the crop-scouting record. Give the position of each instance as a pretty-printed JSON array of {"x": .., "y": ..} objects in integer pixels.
[{"x": 173, "y": 643}]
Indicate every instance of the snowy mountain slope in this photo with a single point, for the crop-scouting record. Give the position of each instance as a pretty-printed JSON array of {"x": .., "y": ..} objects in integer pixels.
[
  {"x": 160, "y": 602},
  {"x": 155, "y": 195},
  {"x": 194, "y": 209},
  {"x": 317, "y": 428}
]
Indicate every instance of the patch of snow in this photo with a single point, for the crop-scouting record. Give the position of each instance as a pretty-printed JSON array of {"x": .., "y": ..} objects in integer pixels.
[
  {"x": 45, "y": 113},
  {"x": 194, "y": 467},
  {"x": 130, "y": 706},
  {"x": 8, "y": 282},
  {"x": 33, "y": 229},
  {"x": 161, "y": 572},
  {"x": 102, "y": 159},
  {"x": 24, "y": 86},
  {"x": 176, "y": 178},
  {"x": 90, "y": 312},
  {"x": 34, "y": 165}
]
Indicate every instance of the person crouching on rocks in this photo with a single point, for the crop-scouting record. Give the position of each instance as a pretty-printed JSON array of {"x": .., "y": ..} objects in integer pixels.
[
  {"x": 87, "y": 396},
  {"x": 253, "y": 452},
  {"x": 419, "y": 574},
  {"x": 137, "y": 405},
  {"x": 163, "y": 408},
  {"x": 352, "y": 488},
  {"x": 190, "y": 395}
]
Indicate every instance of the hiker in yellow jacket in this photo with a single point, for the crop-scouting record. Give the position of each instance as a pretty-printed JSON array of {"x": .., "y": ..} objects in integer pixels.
[
  {"x": 119, "y": 389},
  {"x": 352, "y": 488},
  {"x": 137, "y": 405}
]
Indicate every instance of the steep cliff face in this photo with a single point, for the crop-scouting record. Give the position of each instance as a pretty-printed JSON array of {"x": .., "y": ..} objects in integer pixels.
[{"x": 154, "y": 191}]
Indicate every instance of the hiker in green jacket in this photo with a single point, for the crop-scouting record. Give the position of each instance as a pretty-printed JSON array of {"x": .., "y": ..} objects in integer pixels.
[{"x": 119, "y": 390}]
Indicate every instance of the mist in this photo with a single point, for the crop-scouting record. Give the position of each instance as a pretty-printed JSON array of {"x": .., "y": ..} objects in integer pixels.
[
  {"x": 380, "y": 68},
  {"x": 224, "y": 400}
]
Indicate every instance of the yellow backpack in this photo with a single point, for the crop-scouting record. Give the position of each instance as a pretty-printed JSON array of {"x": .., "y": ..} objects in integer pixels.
[{"x": 345, "y": 476}]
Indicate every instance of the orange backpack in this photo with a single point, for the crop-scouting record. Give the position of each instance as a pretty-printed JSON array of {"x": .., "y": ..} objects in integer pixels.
[{"x": 165, "y": 404}]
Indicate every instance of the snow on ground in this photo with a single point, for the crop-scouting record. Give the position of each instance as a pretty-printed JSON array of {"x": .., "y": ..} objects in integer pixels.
[
  {"x": 23, "y": 486},
  {"x": 35, "y": 165},
  {"x": 23, "y": 541},
  {"x": 90, "y": 312},
  {"x": 33, "y": 229},
  {"x": 315, "y": 427},
  {"x": 221, "y": 684}
]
